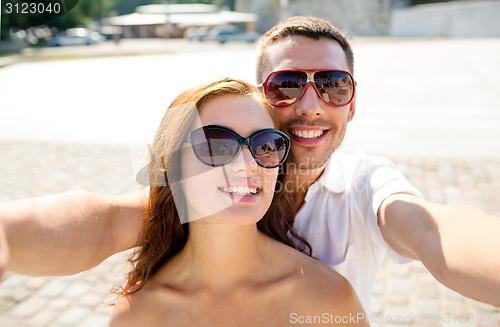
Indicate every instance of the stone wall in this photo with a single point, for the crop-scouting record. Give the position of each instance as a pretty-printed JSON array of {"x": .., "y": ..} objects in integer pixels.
[
  {"x": 268, "y": 12},
  {"x": 457, "y": 19},
  {"x": 355, "y": 17}
]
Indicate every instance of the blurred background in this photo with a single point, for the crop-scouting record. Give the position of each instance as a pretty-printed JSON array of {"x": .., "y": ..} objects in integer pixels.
[
  {"x": 193, "y": 19},
  {"x": 81, "y": 96}
]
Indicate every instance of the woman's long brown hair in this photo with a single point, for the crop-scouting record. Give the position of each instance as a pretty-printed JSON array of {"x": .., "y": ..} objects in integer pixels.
[{"x": 163, "y": 234}]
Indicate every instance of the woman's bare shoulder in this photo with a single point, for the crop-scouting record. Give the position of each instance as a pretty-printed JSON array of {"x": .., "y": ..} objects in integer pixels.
[
  {"x": 125, "y": 313},
  {"x": 323, "y": 292},
  {"x": 316, "y": 276},
  {"x": 157, "y": 303},
  {"x": 141, "y": 308}
]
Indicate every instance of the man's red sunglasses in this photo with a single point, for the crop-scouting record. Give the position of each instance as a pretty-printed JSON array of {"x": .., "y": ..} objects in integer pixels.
[{"x": 285, "y": 87}]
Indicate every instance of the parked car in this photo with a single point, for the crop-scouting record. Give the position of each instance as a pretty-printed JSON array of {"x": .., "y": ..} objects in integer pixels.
[
  {"x": 227, "y": 33},
  {"x": 251, "y": 37},
  {"x": 196, "y": 33},
  {"x": 76, "y": 36},
  {"x": 111, "y": 32}
]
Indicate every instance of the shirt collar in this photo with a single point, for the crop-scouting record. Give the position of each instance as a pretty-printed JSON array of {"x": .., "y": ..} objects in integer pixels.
[{"x": 333, "y": 175}]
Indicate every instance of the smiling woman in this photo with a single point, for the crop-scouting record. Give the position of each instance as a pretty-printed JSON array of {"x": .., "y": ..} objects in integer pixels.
[{"x": 215, "y": 233}]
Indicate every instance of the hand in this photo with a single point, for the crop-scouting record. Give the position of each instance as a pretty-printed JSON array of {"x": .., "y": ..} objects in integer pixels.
[{"x": 4, "y": 251}]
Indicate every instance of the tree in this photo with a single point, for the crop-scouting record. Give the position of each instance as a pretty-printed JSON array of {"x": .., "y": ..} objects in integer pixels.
[
  {"x": 25, "y": 14},
  {"x": 421, "y": 2},
  {"x": 122, "y": 7},
  {"x": 5, "y": 25},
  {"x": 225, "y": 3},
  {"x": 83, "y": 13},
  {"x": 219, "y": 3}
]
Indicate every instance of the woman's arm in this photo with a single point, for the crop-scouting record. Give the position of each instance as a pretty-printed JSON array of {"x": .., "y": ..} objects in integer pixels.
[{"x": 67, "y": 233}]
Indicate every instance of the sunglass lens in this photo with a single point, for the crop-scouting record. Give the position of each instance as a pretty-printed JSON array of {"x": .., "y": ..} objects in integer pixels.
[
  {"x": 215, "y": 147},
  {"x": 335, "y": 87},
  {"x": 283, "y": 88},
  {"x": 269, "y": 149}
]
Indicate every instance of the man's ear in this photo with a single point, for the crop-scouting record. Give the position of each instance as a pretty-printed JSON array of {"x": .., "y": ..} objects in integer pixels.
[{"x": 352, "y": 109}]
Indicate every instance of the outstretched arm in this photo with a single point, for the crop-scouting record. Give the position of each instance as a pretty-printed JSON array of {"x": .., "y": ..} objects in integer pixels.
[
  {"x": 67, "y": 233},
  {"x": 458, "y": 244}
]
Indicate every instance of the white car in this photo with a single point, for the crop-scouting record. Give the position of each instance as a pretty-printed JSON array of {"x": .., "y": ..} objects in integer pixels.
[
  {"x": 76, "y": 36},
  {"x": 196, "y": 33}
]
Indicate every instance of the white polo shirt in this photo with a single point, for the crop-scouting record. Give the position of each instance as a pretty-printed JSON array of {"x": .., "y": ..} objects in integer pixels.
[{"x": 339, "y": 216}]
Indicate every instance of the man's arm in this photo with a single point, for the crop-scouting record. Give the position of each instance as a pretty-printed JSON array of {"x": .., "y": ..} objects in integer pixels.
[
  {"x": 459, "y": 245},
  {"x": 67, "y": 233}
]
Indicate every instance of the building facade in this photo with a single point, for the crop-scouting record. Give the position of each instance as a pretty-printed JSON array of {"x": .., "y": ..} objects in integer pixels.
[{"x": 160, "y": 20}]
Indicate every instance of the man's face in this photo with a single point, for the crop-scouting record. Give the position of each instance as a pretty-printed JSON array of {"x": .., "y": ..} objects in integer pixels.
[{"x": 316, "y": 129}]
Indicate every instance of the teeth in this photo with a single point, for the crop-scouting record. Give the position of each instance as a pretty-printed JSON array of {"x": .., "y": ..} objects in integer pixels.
[
  {"x": 307, "y": 134},
  {"x": 240, "y": 190}
]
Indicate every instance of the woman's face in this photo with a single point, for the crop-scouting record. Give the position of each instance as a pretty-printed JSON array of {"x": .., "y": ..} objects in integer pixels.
[{"x": 226, "y": 194}]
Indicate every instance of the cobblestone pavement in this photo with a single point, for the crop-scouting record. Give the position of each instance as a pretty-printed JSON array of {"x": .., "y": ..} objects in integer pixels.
[
  {"x": 403, "y": 294},
  {"x": 37, "y": 169}
]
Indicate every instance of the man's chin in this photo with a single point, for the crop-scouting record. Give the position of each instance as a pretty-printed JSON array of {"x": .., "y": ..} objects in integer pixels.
[{"x": 307, "y": 161}]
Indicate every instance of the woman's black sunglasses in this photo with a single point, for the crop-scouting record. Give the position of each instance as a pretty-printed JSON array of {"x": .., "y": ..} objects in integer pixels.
[{"x": 217, "y": 145}]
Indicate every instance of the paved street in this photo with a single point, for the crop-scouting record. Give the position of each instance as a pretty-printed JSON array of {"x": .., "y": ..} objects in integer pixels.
[{"x": 432, "y": 106}]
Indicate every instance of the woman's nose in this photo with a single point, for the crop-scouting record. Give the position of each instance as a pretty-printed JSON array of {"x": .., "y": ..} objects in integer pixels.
[{"x": 244, "y": 160}]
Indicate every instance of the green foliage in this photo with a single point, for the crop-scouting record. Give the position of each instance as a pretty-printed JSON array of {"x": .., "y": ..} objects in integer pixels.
[
  {"x": 87, "y": 11},
  {"x": 4, "y": 27},
  {"x": 219, "y": 3},
  {"x": 192, "y": 1},
  {"x": 123, "y": 7},
  {"x": 421, "y": 2},
  {"x": 83, "y": 13},
  {"x": 225, "y": 3}
]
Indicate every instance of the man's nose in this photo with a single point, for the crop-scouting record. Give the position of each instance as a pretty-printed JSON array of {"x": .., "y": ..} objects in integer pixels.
[{"x": 309, "y": 104}]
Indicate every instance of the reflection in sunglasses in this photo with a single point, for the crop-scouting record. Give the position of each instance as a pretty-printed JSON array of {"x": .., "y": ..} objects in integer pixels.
[
  {"x": 284, "y": 88},
  {"x": 216, "y": 145}
]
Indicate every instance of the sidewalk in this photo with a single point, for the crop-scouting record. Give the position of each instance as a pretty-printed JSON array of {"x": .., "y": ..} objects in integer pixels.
[
  {"x": 403, "y": 295},
  {"x": 37, "y": 169},
  {"x": 126, "y": 47}
]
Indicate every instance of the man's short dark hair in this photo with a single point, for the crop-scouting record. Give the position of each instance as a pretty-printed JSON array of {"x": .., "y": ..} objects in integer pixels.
[{"x": 310, "y": 27}]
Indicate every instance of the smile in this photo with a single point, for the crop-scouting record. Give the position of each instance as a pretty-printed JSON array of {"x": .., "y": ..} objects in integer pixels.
[
  {"x": 307, "y": 134},
  {"x": 240, "y": 190}
]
